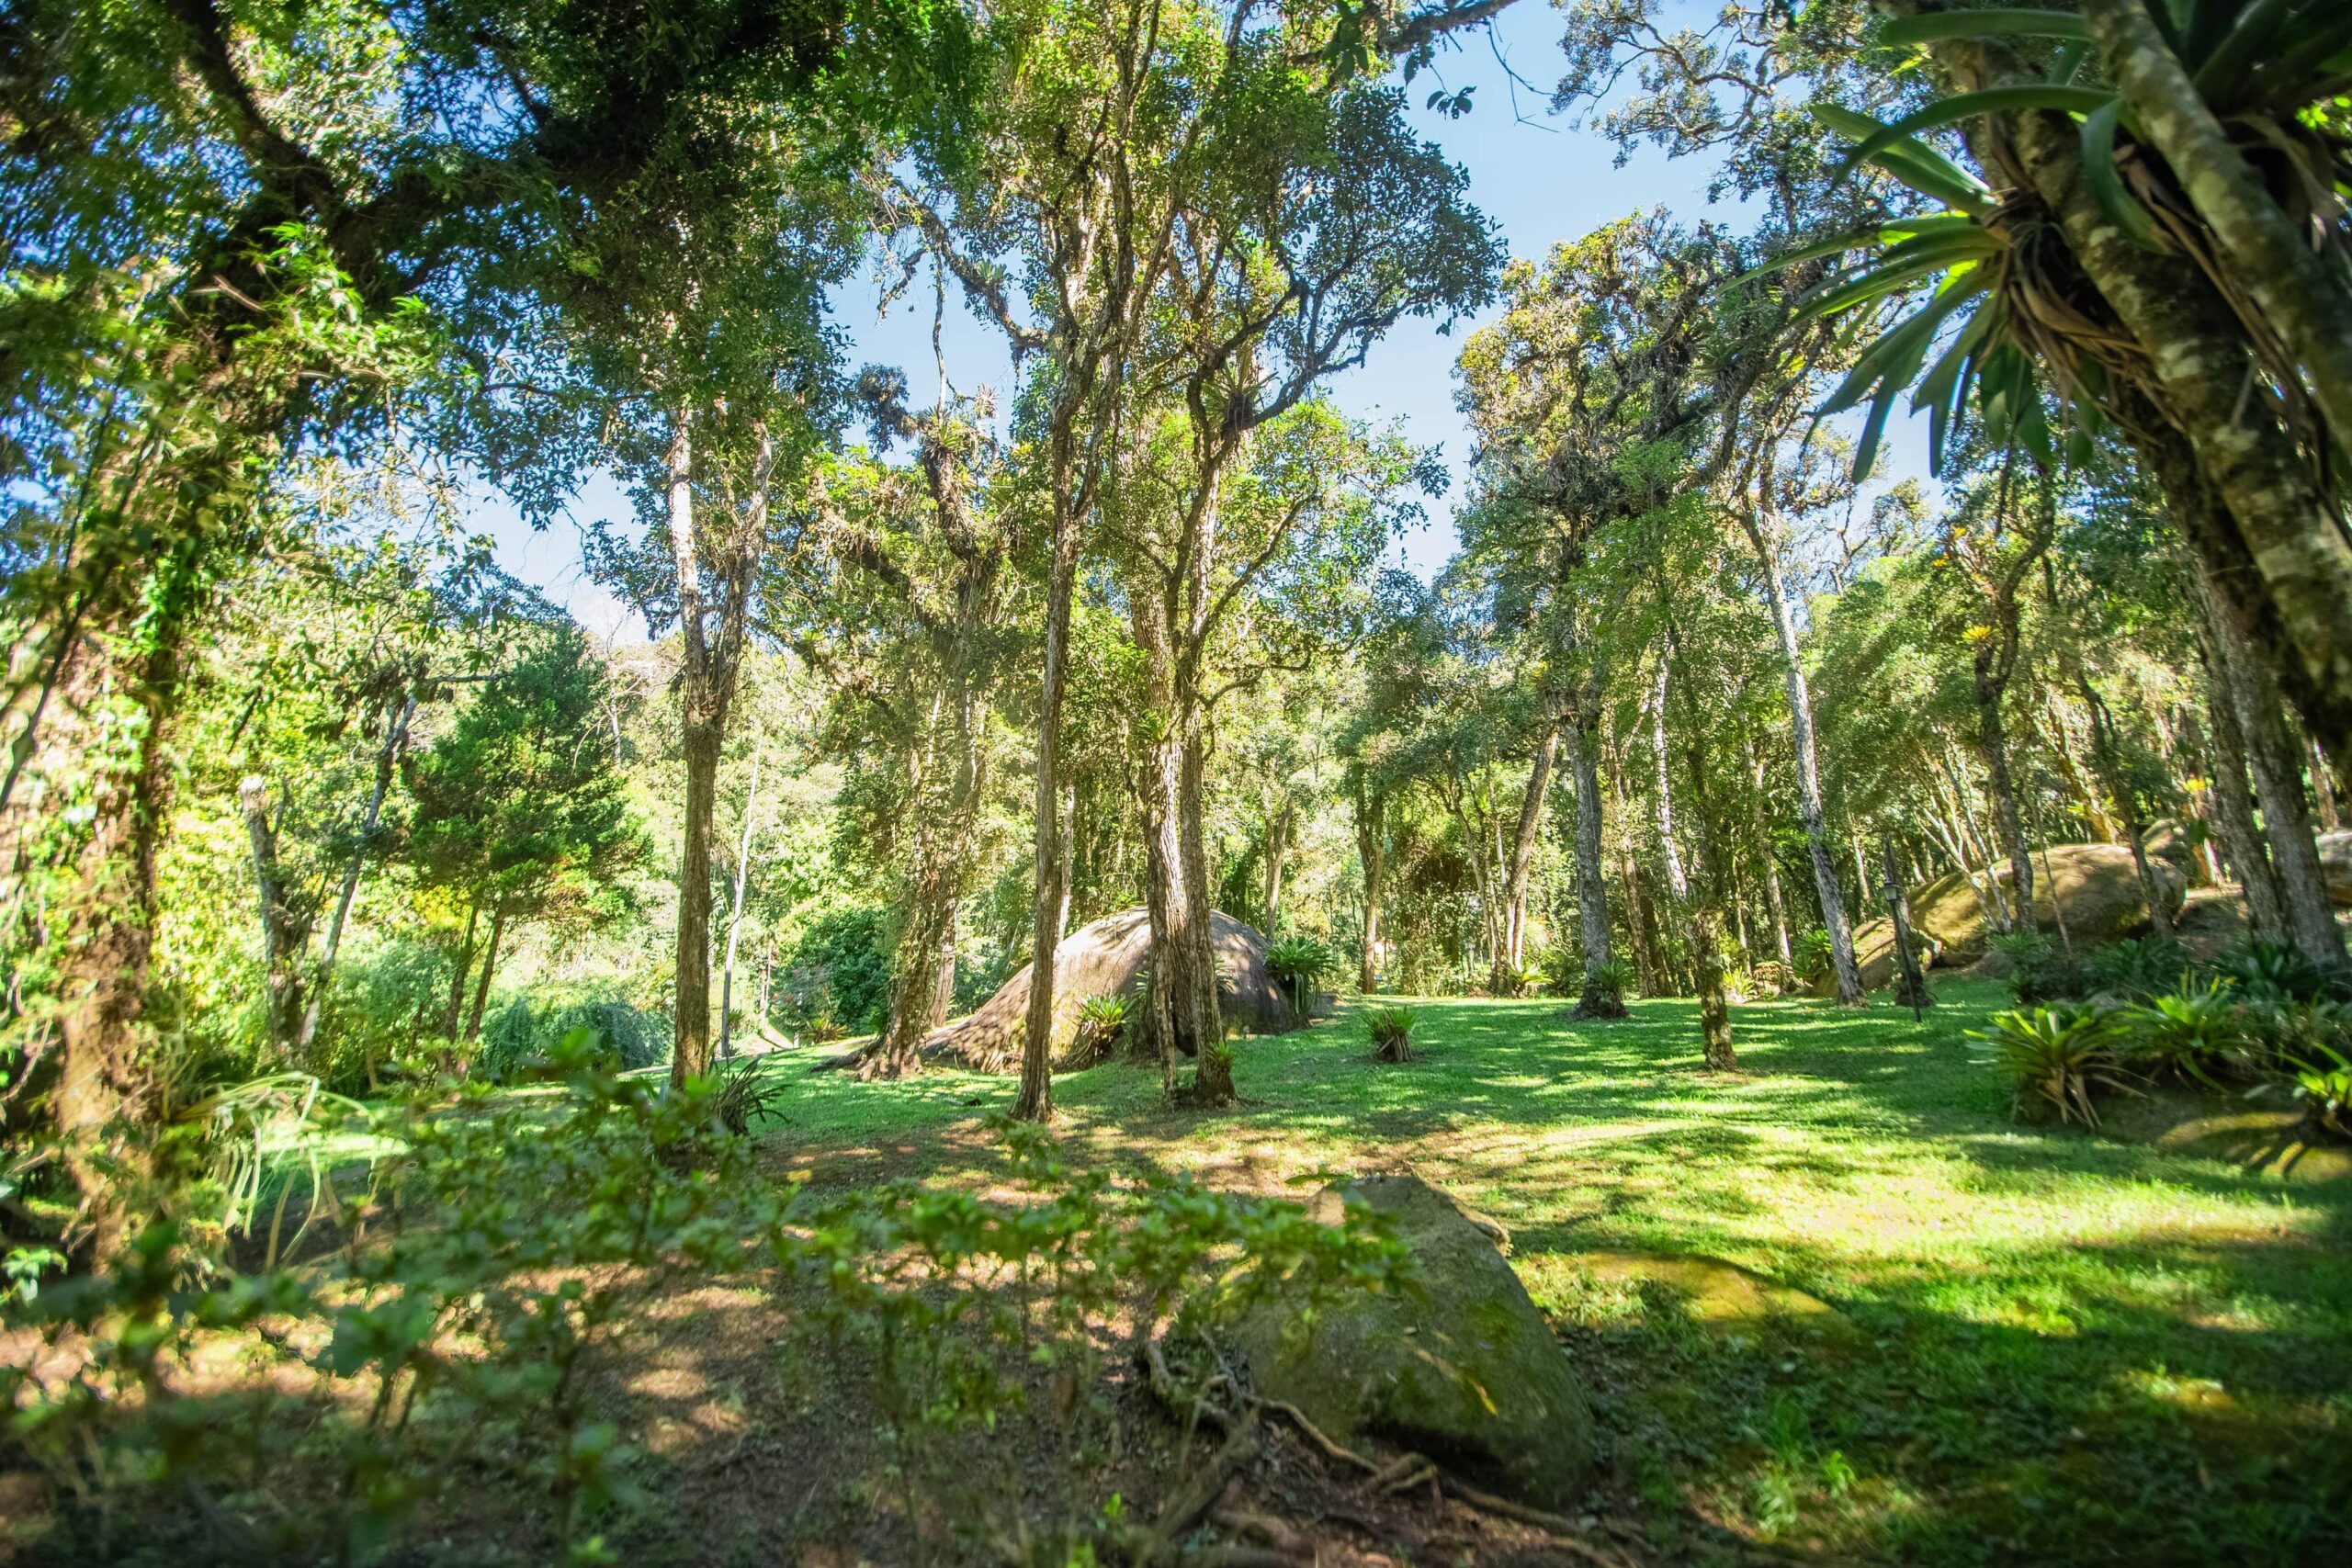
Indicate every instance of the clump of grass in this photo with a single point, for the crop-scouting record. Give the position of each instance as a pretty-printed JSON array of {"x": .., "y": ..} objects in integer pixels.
[
  {"x": 1391, "y": 1032},
  {"x": 746, "y": 1096},
  {"x": 2054, "y": 1055}
]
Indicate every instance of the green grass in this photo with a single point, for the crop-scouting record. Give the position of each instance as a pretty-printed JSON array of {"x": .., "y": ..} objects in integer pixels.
[{"x": 2046, "y": 1344}]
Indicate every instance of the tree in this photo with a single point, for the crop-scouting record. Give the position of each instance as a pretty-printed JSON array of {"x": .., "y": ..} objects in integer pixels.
[{"x": 520, "y": 815}]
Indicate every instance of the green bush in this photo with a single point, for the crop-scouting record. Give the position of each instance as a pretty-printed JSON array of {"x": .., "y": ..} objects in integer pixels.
[
  {"x": 839, "y": 972},
  {"x": 2323, "y": 1083},
  {"x": 1816, "y": 956},
  {"x": 2056, "y": 1056},
  {"x": 1101, "y": 1029},
  {"x": 2269, "y": 975},
  {"x": 520, "y": 1038},
  {"x": 2137, "y": 967},
  {"x": 2039, "y": 972}
]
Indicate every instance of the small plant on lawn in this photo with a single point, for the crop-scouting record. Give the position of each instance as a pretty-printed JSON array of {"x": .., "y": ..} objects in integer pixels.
[
  {"x": 745, "y": 1096},
  {"x": 2055, "y": 1057},
  {"x": 2137, "y": 967},
  {"x": 1606, "y": 986},
  {"x": 1391, "y": 1032},
  {"x": 2190, "y": 1033},
  {"x": 1298, "y": 965},
  {"x": 1101, "y": 1026}
]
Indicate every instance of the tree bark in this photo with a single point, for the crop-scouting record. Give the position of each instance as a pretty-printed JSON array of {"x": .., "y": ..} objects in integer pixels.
[
  {"x": 690, "y": 1056},
  {"x": 464, "y": 963},
  {"x": 1592, "y": 888},
  {"x": 2308, "y": 918},
  {"x": 489, "y": 968},
  {"x": 2302, "y": 296},
  {"x": 1762, "y": 828},
  {"x": 1034, "y": 1101},
  {"x": 1809, "y": 811},
  {"x": 386, "y": 760},
  {"x": 735, "y": 916},
  {"x": 2330, "y": 819},
  {"x": 1278, "y": 831},
  {"x": 1503, "y": 977},
  {"x": 1698, "y": 916},
  {"x": 1371, "y": 851},
  {"x": 285, "y": 932}
]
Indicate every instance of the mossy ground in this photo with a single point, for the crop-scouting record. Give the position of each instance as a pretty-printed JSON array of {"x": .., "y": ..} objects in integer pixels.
[{"x": 2040, "y": 1343}]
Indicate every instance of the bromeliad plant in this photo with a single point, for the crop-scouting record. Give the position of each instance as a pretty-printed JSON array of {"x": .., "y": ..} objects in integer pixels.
[
  {"x": 2007, "y": 314},
  {"x": 1298, "y": 965},
  {"x": 2054, "y": 1055},
  {"x": 1390, "y": 1029},
  {"x": 2191, "y": 1032}
]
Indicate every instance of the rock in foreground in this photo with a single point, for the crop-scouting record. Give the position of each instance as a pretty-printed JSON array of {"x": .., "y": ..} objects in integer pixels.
[{"x": 1464, "y": 1370}]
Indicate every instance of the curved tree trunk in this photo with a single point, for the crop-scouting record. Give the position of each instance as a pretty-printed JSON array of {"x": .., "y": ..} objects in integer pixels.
[{"x": 1809, "y": 812}]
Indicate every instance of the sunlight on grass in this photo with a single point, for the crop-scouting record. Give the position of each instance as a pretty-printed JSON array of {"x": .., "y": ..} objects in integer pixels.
[{"x": 2011, "y": 1335}]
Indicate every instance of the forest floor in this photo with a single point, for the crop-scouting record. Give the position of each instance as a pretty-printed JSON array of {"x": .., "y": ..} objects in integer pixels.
[{"x": 1840, "y": 1304}]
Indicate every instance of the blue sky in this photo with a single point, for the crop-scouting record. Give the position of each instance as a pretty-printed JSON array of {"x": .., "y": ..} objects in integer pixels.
[{"x": 1538, "y": 179}]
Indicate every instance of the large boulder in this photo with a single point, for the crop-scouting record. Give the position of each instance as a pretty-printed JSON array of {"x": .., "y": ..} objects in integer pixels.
[
  {"x": 1464, "y": 1370},
  {"x": 2336, "y": 866},
  {"x": 1108, "y": 957},
  {"x": 2096, "y": 886}
]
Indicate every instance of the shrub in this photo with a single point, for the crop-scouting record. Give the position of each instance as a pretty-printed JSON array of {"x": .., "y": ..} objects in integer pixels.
[
  {"x": 2039, "y": 972},
  {"x": 1390, "y": 1030},
  {"x": 2267, "y": 974},
  {"x": 839, "y": 974},
  {"x": 2056, "y": 1055},
  {"x": 2138, "y": 967},
  {"x": 1298, "y": 965},
  {"x": 2188, "y": 1032},
  {"x": 521, "y": 1039},
  {"x": 2323, "y": 1083},
  {"x": 1613, "y": 981},
  {"x": 1521, "y": 980}
]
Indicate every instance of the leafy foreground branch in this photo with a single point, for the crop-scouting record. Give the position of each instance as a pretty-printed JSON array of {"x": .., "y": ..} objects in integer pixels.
[{"x": 453, "y": 1374}]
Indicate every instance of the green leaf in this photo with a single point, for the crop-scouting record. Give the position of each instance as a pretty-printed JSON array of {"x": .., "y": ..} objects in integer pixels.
[
  {"x": 1866, "y": 450},
  {"x": 1885, "y": 277},
  {"x": 1995, "y": 23},
  {"x": 1895, "y": 357},
  {"x": 2106, "y": 185},
  {"x": 1968, "y": 105},
  {"x": 1922, "y": 168}
]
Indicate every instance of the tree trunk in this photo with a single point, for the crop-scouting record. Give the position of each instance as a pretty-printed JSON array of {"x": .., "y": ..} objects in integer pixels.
[
  {"x": 1592, "y": 889},
  {"x": 105, "y": 1085},
  {"x": 1503, "y": 980},
  {"x": 735, "y": 916},
  {"x": 481, "y": 983},
  {"x": 1641, "y": 918},
  {"x": 455, "y": 1014},
  {"x": 2277, "y": 548},
  {"x": 1213, "y": 1063},
  {"x": 2300, "y": 295},
  {"x": 386, "y": 759},
  {"x": 1035, "y": 1102},
  {"x": 1762, "y": 828},
  {"x": 2331, "y": 819},
  {"x": 1809, "y": 812},
  {"x": 284, "y": 932},
  {"x": 1913, "y": 990},
  {"x": 1278, "y": 831},
  {"x": 943, "y": 986},
  {"x": 1371, "y": 850},
  {"x": 1993, "y": 746},
  {"x": 690, "y": 1056},
  {"x": 2276, "y": 762},
  {"x": 1698, "y": 916},
  {"x": 2105, "y": 753}
]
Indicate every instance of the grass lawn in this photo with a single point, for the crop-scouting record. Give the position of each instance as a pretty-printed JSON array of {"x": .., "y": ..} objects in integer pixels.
[{"x": 1840, "y": 1302}]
